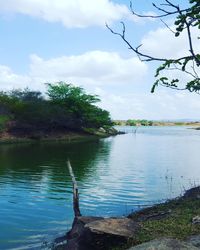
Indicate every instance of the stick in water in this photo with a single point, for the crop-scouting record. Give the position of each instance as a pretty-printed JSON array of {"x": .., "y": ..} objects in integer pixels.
[{"x": 75, "y": 191}]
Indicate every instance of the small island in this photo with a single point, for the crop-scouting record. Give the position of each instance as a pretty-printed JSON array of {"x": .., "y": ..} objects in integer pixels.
[{"x": 65, "y": 113}]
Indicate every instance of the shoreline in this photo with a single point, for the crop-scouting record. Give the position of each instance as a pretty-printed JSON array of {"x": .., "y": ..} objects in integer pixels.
[
  {"x": 176, "y": 221},
  {"x": 68, "y": 137}
]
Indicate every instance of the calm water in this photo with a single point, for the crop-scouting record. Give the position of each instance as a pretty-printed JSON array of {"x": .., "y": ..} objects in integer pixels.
[{"x": 115, "y": 175}]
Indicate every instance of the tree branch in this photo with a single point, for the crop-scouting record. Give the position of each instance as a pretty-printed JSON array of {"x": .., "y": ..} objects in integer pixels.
[
  {"x": 77, "y": 212},
  {"x": 143, "y": 57},
  {"x": 167, "y": 13},
  {"x": 185, "y": 19}
]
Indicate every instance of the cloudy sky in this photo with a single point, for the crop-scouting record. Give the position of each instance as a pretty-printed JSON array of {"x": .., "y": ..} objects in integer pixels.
[{"x": 66, "y": 40}]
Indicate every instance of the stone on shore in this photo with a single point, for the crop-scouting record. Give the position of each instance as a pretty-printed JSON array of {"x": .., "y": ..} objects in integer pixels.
[
  {"x": 165, "y": 244},
  {"x": 96, "y": 233},
  {"x": 194, "y": 240}
]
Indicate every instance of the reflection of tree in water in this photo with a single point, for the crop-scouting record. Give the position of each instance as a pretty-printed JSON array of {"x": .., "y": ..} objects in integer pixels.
[{"x": 34, "y": 163}]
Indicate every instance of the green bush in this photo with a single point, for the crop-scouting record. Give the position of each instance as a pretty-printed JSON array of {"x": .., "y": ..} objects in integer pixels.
[
  {"x": 66, "y": 107},
  {"x": 3, "y": 122}
]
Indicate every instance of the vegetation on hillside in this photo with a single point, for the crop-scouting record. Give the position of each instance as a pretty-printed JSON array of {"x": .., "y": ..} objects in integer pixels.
[{"x": 63, "y": 108}]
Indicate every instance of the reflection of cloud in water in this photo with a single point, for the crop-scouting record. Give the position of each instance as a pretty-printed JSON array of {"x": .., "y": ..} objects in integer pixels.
[
  {"x": 112, "y": 183},
  {"x": 134, "y": 173}
]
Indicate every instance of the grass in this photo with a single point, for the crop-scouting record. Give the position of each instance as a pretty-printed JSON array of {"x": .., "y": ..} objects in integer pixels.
[
  {"x": 177, "y": 224},
  {"x": 172, "y": 219},
  {"x": 175, "y": 221}
]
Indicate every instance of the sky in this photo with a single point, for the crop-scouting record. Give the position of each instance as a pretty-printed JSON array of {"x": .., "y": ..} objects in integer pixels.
[{"x": 65, "y": 40}]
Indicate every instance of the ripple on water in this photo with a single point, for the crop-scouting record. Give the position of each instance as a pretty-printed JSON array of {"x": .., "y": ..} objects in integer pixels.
[{"x": 115, "y": 176}]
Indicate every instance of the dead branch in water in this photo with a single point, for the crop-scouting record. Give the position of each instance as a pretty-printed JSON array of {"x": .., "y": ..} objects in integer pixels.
[{"x": 75, "y": 191}]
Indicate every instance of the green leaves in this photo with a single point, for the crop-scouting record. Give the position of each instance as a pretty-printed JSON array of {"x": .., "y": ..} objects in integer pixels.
[
  {"x": 186, "y": 20},
  {"x": 67, "y": 108},
  {"x": 62, "y": 92},
  {"x": 194, "y": 85}
]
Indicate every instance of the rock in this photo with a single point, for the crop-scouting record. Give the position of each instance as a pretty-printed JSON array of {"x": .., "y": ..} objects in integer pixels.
[
  {"x": 101, "y": 130},
  {"x": 164, "y": 244},
  {"x": 96, "y": 233},
  {"x": 193, "y": 193},
  {"x": 112, "y": 131},
  {"x": 196, "y": 220},
  {"x": 194, "y": 240},
  {"x": 120, "y": 226}
]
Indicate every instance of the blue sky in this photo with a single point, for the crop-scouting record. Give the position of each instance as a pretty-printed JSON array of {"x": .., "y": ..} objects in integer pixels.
[{"x": 64, "y": 40}]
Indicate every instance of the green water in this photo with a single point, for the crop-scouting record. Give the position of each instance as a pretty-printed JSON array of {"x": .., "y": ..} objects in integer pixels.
[{"x": 115, "y": 176}]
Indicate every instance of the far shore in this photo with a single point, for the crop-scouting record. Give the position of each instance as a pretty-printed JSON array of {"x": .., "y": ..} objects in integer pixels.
[
  {"x": 62, "y": 137},
  {"x": 143, "y": 123}
]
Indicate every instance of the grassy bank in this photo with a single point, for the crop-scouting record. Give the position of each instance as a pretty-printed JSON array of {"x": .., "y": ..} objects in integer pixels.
[
  {"x": 177, "y": 219},
  {"x": 174, "y": 219}
]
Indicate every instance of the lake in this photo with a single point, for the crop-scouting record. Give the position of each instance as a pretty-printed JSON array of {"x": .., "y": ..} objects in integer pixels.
[{"x": 116, "y": 176}]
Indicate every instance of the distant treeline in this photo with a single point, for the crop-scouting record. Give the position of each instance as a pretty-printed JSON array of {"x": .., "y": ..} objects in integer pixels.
[
  {"x": 64, "y": 107},
  {"x": 132, "y": 122}
]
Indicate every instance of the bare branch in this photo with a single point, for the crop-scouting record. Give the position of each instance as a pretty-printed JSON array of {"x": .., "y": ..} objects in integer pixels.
[
  {"x": 161, "y": 9},
  {"x": 185, "y": 19},
  {"x": 194, "y": 70},
  {"x": 77, "y": 212},
  {"x": 143, "y": 57},
  {"x": 168, "y": 26},
  {"x": 167, "y": 13}
]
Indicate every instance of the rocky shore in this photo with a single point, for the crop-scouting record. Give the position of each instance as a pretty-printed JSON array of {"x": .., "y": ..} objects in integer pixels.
[
  {"x": 58, "y": 136},
  {"x": 174, "y": 224}
]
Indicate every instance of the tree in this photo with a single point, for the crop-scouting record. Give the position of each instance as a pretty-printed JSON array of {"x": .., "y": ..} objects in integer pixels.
[
  {"x": 185, "y": 20},
  {"x": 67, "y": 108},
  {"x": 69, "y": 94},
  {"x": 26, "y": 95},
  {"x": 79, "y": 105}
]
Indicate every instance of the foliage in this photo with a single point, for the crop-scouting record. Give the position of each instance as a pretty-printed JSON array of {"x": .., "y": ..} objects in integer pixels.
[
  {"x": 66, "y": 107},
  {"x": 132, "y": 122},
  {"x": 3, "y": 122},
  {"x": 67, "y": 93},
  {"x": 139, "y": 123},
  {"x": 79, "y": 105},
  {"x": 185, "y": 20}
]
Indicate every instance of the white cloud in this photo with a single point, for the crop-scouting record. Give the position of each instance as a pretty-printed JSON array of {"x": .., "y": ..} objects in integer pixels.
[
  {"x": 163, "y": 43},
  {"x": 90, "y": 70},
  {"x": 161, "y": 105},
  {"x": 94, "y": 68},
  {"x": 110, "y": 76},
  {"x": 10, "y": 80},
  {"x": 76, "y": 13}
]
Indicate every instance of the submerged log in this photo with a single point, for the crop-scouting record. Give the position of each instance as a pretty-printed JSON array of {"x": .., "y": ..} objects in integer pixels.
[{"x": 75, "y": 191}]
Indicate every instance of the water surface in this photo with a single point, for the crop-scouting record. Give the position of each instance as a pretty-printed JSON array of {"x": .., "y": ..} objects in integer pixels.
[{"x": 115, "y": 176}]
